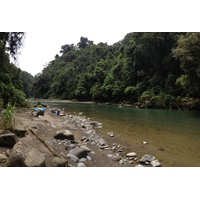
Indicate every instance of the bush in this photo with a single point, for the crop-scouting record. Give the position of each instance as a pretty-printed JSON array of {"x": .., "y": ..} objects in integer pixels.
[{"x": 7, "y": 119}]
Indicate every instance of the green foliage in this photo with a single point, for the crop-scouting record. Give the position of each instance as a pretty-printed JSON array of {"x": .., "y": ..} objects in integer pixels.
[
  {"x": 11, "y": 88},
  {"x": 152, "y": 68},
  {"x": 7, "y": 120}
]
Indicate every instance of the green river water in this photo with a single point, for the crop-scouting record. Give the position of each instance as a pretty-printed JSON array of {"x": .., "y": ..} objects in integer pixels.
[{"x": 173, "y": 136}]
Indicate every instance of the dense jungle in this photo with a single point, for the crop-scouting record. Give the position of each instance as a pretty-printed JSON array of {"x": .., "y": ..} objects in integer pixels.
[{"x": 144, "y": 69}]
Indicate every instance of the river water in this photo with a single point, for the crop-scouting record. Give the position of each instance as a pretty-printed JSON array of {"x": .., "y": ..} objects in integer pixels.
[{"x": 173, "y": 136}]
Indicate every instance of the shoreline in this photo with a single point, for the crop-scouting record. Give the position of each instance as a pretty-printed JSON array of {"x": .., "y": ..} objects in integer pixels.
[{"x": 102, "y": 153}]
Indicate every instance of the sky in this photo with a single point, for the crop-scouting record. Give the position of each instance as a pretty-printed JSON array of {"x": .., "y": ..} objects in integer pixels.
[{"x": 49, "y": 24}]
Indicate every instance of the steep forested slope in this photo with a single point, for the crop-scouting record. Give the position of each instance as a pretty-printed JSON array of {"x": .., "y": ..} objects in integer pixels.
[{"x": 148, "y": 69}]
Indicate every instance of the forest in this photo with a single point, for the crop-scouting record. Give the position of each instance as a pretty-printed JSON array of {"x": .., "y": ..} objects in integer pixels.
[{"x": 144, "y": 69}]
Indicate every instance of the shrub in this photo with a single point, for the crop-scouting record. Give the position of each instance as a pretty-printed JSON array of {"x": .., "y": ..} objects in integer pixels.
[{"x": 7, "y": 120}]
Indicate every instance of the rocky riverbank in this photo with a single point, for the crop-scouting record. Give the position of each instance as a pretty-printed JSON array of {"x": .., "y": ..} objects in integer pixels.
[{"x": 70, "y": 140}]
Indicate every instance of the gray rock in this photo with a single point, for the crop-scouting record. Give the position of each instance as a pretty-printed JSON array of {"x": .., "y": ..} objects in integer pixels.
[
  {"x": 155, "y": 163},
  {"x": 113, "y": 148},
  {"x": 80, "y": 164},
  {"x": 95, "y": 123},
  {"x": 131, "y": 154},
  {"x": 8, "y": 139},
  {"x": 139, "y": 165},
  {"x": 88, "y": 149},
  {"x": 144, "y": 142},
  {"x": 111, "y": 134},
  {"x": 24, "y": 155},
  {"x": 58, "y": 162},
  {"x": 131, "y": 158},
  {"x": 116, "y": 158},
  {"x": 3, "y": 158},
  {"x": 89, "y": 158},
  {"x": 102, "y": 141},
  {"x": 64, "y": 134},
  {"x": 79, "y": 152},
  {"x": 70, "y": 146},
  {"x": 147, "y": 158},
  {"x": 120, "y": 149},
  {"x": 82, "y": 160},
  {"x": 72, "y": 157},
  {"x": 121, "y": 162}
]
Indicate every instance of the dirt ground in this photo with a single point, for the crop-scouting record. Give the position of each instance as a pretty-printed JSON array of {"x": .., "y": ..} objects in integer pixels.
[{"x": 44, "y": 127}]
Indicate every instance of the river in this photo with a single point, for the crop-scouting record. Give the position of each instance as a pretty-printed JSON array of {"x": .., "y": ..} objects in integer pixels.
[{"x": 172, "y": 136}]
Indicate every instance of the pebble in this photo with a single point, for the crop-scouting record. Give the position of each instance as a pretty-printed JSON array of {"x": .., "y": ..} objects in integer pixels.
[
  {"x": 131, "y": 154},
  {"x": 121, "y": 162},
  {"x": 80, "y": 164}
]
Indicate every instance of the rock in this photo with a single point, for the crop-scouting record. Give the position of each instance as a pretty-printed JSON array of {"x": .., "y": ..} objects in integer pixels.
[
  {"x": 58, "y": 162},
  {"x": 144, "y": 142},
  {"x": 80, "y": 164},
  {"x": 3, "y": 158},
  {"x": 64, "y": 134},
  {"x": 113, "y": 148},
  {"x": 131, "y": 154},
  {"x": 8, "y": 139},
  {"x": 120, "y": 149},
  {"x": 121, "y": 162},
  {"x": 89, "y": 158},
  {"x": 138, "y": 165},
  {"x": 130, "y": 162},
  {"x": 24, "y": 155},
  {"x": 111, "y": 134},
  {"x": 116, "y": 158},
  {"x": 102, "y": 146},
  {"x": 147, "y": 158},
  {"x": 88, "y": 149},
  {"x": 95, "y": 123},
  {"x": 102, "y": 141},
  {"x": 79, "y": 152},
  {"x": 20, "y": 132},
  {"x": 70, "y": 146},
  {"x": 155, "y": 163},
  {"x": 131, "y": 158},
  {"x": 83, "y": 138},
  {"x": 72, "y": 157},
  {"x": 82, "y": 160},
  {"x": 7, "y": 152}
]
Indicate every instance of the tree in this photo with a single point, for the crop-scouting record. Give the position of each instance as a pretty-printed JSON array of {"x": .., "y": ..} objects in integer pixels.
[
  {"x": 187, "y": 52},
  {"x": 10, "y": 84}
]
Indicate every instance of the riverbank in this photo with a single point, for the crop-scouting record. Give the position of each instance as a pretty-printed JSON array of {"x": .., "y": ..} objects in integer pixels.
[{"x": 84, "y": 146}]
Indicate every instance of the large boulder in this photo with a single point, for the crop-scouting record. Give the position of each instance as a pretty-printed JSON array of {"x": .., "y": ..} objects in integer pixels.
[
  {"x": 8, "y": 139},
  {"x": 64, "y": 134},
  {"x": 24, "y": 155}
]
